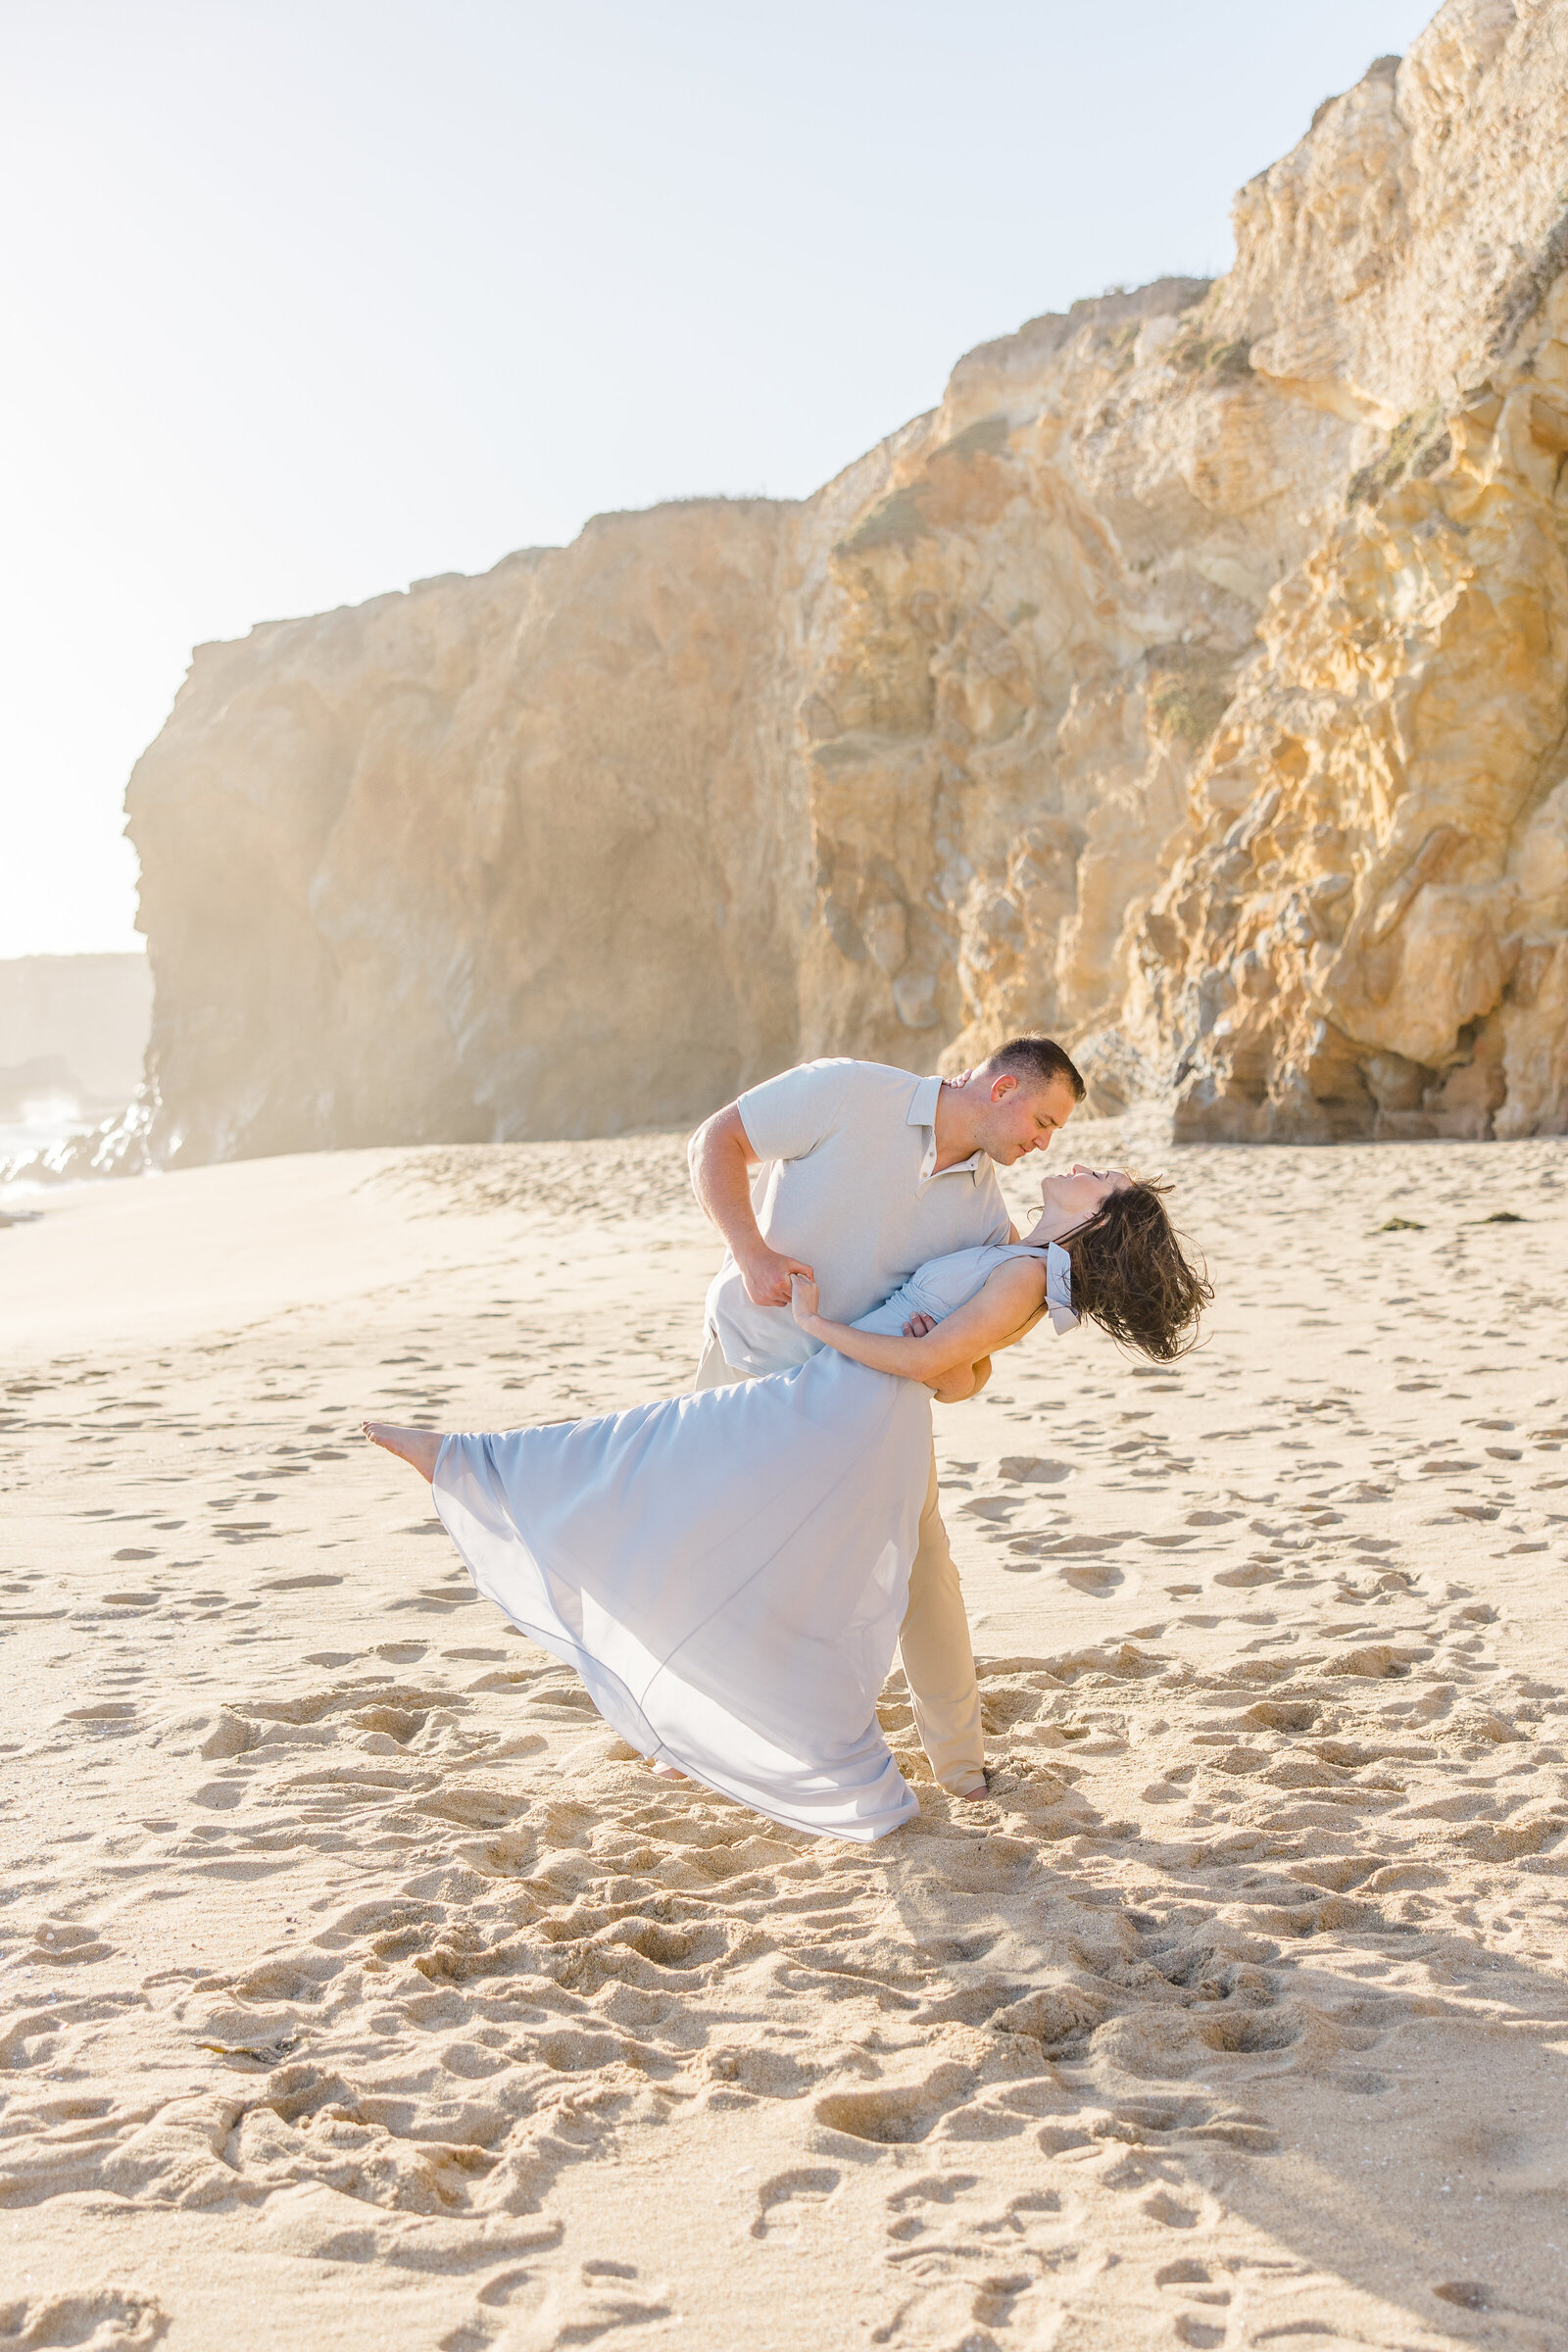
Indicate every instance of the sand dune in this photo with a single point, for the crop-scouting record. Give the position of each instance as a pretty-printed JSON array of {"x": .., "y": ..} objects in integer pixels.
[{"x": 357, "y": 1988}]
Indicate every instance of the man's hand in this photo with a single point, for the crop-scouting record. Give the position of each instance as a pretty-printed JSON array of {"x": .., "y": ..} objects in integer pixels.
[
  {"x": 766, "y": 1274},
  {"x": 721, "y": 1160},
  {"x": 962, "y": 1382},
  {"x": 918, "y": 1325}
]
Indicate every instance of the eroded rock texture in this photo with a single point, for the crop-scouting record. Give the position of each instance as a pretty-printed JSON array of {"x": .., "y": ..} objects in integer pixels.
[
  {"x": 1192, "y": 683},
  {"x": 485, "y": 860}
]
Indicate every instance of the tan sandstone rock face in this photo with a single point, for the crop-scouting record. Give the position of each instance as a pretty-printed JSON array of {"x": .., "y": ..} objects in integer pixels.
[
  {"x": 1191, "y": 683},
  {"x": 486, "y": 860}
]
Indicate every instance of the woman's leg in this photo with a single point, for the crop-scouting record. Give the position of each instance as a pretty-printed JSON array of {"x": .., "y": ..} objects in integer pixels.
[{"x": 419, "y": 1447}]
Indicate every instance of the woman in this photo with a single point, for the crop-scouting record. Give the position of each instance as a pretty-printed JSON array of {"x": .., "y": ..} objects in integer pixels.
[{"x": 728, "y": 1571}]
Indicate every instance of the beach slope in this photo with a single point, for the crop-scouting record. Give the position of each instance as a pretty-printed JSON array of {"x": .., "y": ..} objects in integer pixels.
[{"x": 358, "y": 1988}]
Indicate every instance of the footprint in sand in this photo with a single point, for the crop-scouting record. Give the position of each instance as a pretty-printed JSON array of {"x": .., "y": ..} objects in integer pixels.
[
  {"x": 1203, "y": 2336},
  {"x": 593, "y": 2308},
  {"x": 111, "y": 2317},
  {"x": 1025, "y": 1469},
  {"x": 1170, "y": 2212},
  {"x": 63, "y": 1943},
  {"x": 933, "y": 2188},
  {"x": 108, "y": 1715},
  {"x": 220, "y": 1796},
  {"x": 1466, "y": 2294},
  {"x": 780, "y": 2199},
  {"x": 1097, "y": 1579}
]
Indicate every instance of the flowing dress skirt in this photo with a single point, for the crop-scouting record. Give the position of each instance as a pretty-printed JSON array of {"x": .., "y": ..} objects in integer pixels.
[{"x": 727, "y": 1573}]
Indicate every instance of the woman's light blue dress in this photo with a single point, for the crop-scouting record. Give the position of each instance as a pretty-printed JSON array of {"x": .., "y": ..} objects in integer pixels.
[{"x": 728, "y": 1572}]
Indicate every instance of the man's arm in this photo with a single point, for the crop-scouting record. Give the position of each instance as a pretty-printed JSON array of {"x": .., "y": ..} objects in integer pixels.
[
  {"x": 722, "y": 1159},
  {"x": 965, "y": 1381},
  {"x": 953, "y": 1388}
]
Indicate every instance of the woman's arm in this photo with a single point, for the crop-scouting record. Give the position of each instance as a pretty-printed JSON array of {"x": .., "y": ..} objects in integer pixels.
[{"x": 1000, "y": 1312}]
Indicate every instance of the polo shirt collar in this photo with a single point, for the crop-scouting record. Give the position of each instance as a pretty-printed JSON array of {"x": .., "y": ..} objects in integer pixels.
[
  {"x": 923, "y": 1114},
  {"x": 923, "y": 1102}
]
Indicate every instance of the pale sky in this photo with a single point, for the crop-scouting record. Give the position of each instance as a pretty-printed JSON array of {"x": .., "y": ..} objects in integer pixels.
[{"x": 306, "y": 299}]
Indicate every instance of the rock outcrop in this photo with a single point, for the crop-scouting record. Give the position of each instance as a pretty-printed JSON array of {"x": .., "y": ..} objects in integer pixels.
[
  {"x": 490, "y": 859},
  {"x": 88, "y": 1013},
  {"x": 1192, "y": 683}
]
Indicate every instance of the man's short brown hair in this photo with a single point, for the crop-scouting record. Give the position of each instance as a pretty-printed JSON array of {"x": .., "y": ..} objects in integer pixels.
[{"x": 1035, "y": 1061}]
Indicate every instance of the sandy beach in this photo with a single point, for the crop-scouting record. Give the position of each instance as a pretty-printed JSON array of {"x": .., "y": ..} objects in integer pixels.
[{"x": 358, "y": 1988}]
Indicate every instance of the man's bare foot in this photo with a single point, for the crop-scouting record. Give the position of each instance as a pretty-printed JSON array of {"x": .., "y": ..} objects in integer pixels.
[
  {"x": 417, "y": 1445},
  {"x": 973, "y": 1796}
]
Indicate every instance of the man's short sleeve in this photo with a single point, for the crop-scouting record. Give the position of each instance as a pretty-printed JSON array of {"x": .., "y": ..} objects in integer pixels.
[{"x": 789, "y": 1116}]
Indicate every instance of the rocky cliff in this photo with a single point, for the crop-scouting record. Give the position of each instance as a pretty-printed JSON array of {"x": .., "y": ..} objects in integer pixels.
[
  {"x": 490, "y": 859},
  {"x": 88, "y": 1014},
  {"x": 1192, "y": 683}
]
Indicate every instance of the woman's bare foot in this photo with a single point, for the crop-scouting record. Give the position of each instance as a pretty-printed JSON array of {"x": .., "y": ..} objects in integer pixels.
[
  {"x": 417, "y": 1445},
  {"x": 665, "y": 1772}
]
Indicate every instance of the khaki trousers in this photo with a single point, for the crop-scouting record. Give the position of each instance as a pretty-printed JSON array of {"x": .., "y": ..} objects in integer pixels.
[{"x": 933, "y": 1645}]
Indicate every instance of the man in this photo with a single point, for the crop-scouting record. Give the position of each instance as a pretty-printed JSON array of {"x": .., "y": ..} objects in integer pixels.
[{"x": 869, "y": 1172}]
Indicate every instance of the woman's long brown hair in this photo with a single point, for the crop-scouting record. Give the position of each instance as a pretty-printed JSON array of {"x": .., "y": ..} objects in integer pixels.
[{"x": 1132, "y": 1277}]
